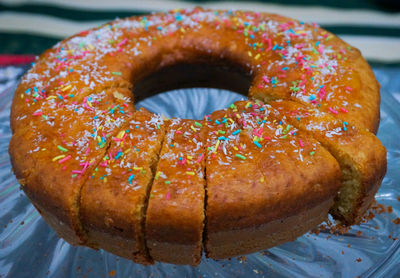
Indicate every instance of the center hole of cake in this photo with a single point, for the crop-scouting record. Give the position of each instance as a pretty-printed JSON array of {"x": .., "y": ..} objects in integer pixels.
[{"x": 192, "y": 91}]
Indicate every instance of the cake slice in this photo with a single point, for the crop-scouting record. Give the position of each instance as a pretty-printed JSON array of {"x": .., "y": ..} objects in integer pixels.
[
  {"x": 53, "y": 155},
  {"x": 114, "y": 198},
  {"x": 361, "y": 156},
  {"x": 175, "y": 215},
  {"x": 267, "y": 183}
]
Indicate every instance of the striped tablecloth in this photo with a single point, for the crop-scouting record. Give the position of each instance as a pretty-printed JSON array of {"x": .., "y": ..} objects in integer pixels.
[{"x": 31, "y": 26}]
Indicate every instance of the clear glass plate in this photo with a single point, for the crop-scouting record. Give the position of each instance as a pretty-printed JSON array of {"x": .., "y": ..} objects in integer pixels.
[{"x": 29, "y": 248}]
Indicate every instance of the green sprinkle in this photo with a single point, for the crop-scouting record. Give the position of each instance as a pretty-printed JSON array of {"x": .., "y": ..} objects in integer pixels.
[
  {"x": 312, "y": 153},
  {"x": 240, "y": 156},
  {"x": 117, "y": 73},
  {"x": 198, "y": 124},
  {"x": 167, "y": 182},
  {"x": 62, "y": 148},
  {"x": 74, "y": 175}
]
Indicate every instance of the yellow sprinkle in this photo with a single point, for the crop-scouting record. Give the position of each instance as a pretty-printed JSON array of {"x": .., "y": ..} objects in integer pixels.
[
  {"x": 189, "y": 157},
  {"x": 58, "y": 157},
  {"x": 216, "y": 146},
  {"x": 89, "y": 103},
  {"x": 262, "y": 179},
  {"x": 121, "y": 134},
  {"x": 99, "y": 138},
  {"x": 51, "y": 97},
  {"x": 157, "y": 175},
  {"x": 257, "y": 56},
  {"x": 140, "y": 168},
  {"x": 235, "y": 148},
  {"x": 66, "y": 88},
  {"x": 192, "y": 127},
  {"x": 190, "y": 173},
  {"x": 249, "y": 53},
  {"x": 238, "y": 116}
]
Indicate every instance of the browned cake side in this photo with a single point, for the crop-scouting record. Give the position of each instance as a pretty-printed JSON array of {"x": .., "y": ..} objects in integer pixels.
[
  {"x": 175, "y": 215},
  {"x": 60, "y": 148},
  {"x": 114, "y": 198},
  {"x": 360, "y": 154},
  {"x": 260, "y": 180},
  {"x": 77, "y": 96}
]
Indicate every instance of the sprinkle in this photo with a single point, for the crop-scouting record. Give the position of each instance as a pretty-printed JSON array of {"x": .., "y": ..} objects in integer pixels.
[
  {"x": 312, "y": 153},
  {"x": 157, "y": 175},
  {"x": 192, "y": 127},
  {"x": 62, "y": 148},
  {"x": 236, "y": 132},
  {"x": 198, "y": 124},
  {"x": 191, "y": 173},
  {"x": 311, "y": 97},
  {"x": 117, "y": 73},
  {"x": 242, "y": 157},
  {"x": 64, "y": 159},
  {"x": 167, "y": 182},
  {"x": 216, "y": 146},
  {"x": 333, "y": 110},
  {"x": 301, "y": 143},
  {"x": 58, "y": 157},
  {"x": 257, "y": 144},
  {"x": 131, "y": 177},
  {"x": 200, "y": 158},
  {"x": 66, "y": 88}
]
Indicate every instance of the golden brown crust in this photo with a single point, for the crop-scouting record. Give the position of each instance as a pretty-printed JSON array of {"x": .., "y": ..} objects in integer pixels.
[
  {"x": 261, "y": 174},
  {"x": 114, "y": 198},
  {"x": 175, "y": 214},
  {"x": 61, "y": 153},
  {"x": 237, "y": 242},
  {"x": 358, "y": 151},
  {"x": 76, "y": 98}
]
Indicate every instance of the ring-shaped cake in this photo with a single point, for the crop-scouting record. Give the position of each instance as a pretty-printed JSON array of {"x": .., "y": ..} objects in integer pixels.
[{"x": 246, "y": 178}]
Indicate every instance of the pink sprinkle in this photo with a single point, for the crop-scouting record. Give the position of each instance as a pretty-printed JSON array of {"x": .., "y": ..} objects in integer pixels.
[
  {"x": 87, "y": 151},
  {"x": 64, "y": 159},
  {"x": 200, "y": 158},
  {"x": 301, "y": 143},
  {"x": 168, "y": 196},
  {"x": 349, "y": 88},
  {"x": 178, "y": 132},
  {"x": 265, "y": 78},
  {"x": 344, "y": 110},
  {"x": 122, "y": 42},
  {"x": 77, "y": 171},
  {"x": 39, "y": 113},
  {"x": 333, "y": 110}
]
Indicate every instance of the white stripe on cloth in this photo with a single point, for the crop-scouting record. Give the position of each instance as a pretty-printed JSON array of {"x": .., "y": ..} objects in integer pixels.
[
  {"x": 321, "y": 15},
  {"x": 383, "y": 49}
]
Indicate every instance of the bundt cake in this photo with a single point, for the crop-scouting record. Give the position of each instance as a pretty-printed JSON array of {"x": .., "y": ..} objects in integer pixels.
[{"x": 245, "y": 178}]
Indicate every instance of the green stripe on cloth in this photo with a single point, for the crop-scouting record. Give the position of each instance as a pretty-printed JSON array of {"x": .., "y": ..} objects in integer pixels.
[
  {"x": 363, "y": 30},
  {"x": 383, "y": 5},
  {"x": 70, "y": 13},
  {"x": 24, "y": 44},
  {"x": 372, "y": 5}
]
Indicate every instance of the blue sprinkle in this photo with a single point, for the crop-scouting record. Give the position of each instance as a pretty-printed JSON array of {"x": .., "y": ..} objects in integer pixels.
[
  {"x": 131, "y": 177},
  {"x": 236, "y": 132},
  {"x": 257, "y": 144},
  {"x": 312, "y": 97}
]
